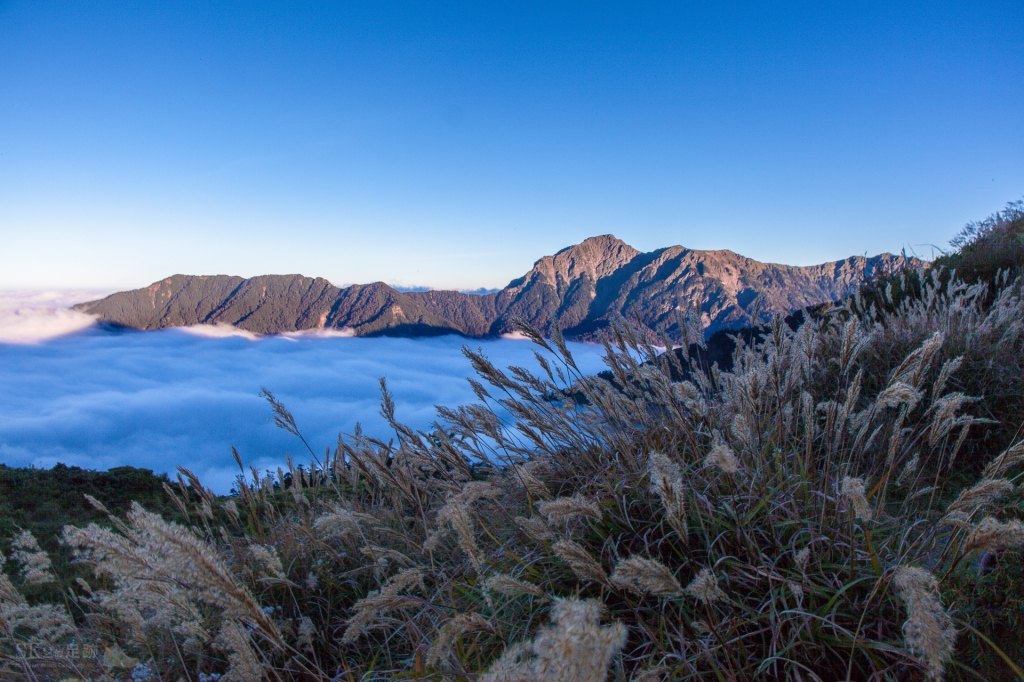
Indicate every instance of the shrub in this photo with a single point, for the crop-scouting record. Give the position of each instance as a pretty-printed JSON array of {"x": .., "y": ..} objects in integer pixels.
[{"x": 985, "y": 248}]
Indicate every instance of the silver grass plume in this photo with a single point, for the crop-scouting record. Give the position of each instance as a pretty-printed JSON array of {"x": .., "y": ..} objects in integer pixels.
[
  {"x": 1010, "y": 458},
  {"x": 266, "y": 556},
  {"x": 306, "y": 633},
  {"x": 642, "y": 574},
  {"x": 722, "y": 458},
  {"x": 580, "y": 561},
  {"x": 342, "y": 523},
  {"x": 853, "y": 490},
  {"x": 377, "y": 553},
  {"x": 980, "y": 495},
  {"x": 505, "y": 584},
  {"x": 244, "y": 665},
  {"x": 576, "y": 648},
  {"x": 35, "y": 563},
  {"x": 533, "y": 485},
  {"x": 928, "y": 630},
  {"x": 150, "y": 551},
  {"x": 667, "y": 482},
  {"x": 535, "y": 528},
  {"x": 704, "y": 587},
  {"x": 456, "y": 513},
  {"x": 949, "y": 368},
  {"x": 563, "y": 509},
  {"x": 992, "y": 535},
  {"x": 898, "y": 393},
  {"x": 909, "y": 469},
  {"x": 462, "y": 624},
  {"x": 370, "y": 609},
  {"x": 801, "y": 558}
]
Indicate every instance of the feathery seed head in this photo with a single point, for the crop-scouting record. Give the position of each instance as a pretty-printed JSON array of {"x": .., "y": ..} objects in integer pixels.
[
  {"x": 802, "y": 557},
  {"x": 928, "y": 630},
  {"x": 269, "y": 561},
  {"x": 575, "y": 648},
  {"x": 456, "y": 513},
  {"x": 580, "y": 561},
  {"x": 533, "y": 485},
  {"x": 667, "y": 482},
  {"x": 981, "y": 495},
  {"x": 722, "y": 457},
  {"x": 704, "y": 588},
  {"x": 244, "y": 665},
  {"x": 1010, "y": 458},
  {"x": 306, "y": 633},
  {"x": 461, "y": 624},
  {"x": 646, "y": 575},
  {"x": 511, "y": 587},
  {"x": 898, "y": 393},
  {"x": 35, "y": 563},
  {"x": 957, "y": 518},
  {"x": 909, "y": 469},
  {"x": 992, "y": 535},
  {"x": 563, "y": 509},
  {"x": 535, "y": 528},
  {"x": 853, "y": 490}
]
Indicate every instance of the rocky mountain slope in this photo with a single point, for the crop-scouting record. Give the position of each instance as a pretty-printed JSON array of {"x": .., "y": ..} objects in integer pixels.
[{"x": 583, "y": 288}]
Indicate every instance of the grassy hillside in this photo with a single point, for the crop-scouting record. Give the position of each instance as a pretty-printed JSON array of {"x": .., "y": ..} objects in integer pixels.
[{"x": 842, "y": 504}]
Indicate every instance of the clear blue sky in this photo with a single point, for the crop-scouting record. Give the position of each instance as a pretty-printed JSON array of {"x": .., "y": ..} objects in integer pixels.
[{"x": 451, "y": 145}]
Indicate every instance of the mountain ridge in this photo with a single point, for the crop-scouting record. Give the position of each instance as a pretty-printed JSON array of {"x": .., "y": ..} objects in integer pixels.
[{"x": 583, "y": 288}]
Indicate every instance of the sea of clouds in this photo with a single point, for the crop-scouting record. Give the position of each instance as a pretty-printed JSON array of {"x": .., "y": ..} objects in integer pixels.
[{"x": 84, "y": 395}]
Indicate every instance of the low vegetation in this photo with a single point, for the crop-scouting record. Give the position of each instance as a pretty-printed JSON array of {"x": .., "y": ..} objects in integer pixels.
[{"x": 843, "y": 504}]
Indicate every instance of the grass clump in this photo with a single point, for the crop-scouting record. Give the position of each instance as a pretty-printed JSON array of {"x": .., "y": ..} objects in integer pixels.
[{"x": 803, "y": 516}]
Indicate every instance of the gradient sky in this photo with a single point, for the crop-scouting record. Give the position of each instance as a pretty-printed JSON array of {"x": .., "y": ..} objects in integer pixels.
[{"x": 451, "y": 145}]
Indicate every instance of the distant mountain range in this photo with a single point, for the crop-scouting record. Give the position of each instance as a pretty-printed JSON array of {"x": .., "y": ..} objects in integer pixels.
[{"x": 583, "y": 288}]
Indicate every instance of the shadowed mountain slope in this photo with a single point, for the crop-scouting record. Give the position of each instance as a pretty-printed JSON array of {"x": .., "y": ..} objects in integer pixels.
[{"x": 583, "y": 288}]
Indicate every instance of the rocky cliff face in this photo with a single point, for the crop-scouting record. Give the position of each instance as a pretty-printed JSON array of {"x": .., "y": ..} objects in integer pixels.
[{"x": 583, "y": 288}]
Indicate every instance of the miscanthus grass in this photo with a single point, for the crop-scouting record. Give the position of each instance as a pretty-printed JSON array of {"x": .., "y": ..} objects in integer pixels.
[{"x": 805, "y": 516}]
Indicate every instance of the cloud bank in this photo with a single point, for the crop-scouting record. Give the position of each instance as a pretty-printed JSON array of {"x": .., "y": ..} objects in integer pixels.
[
  {"x": 32, "y": 316},
  {"x": 102, "y": 398}
]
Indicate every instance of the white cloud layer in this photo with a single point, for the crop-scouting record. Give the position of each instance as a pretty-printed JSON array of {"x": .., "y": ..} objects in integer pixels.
[
  {"x": 32, "y": 316},
  {"x": 101, "y": 398}
]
